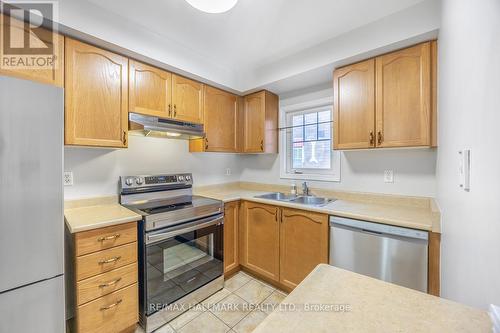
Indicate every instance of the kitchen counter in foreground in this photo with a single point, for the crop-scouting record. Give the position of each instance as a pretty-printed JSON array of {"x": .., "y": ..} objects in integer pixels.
[
  {"x": 88, "y": 214},
  {"x": 373, "y": 306},
  {"x": 409, "y": 212}
]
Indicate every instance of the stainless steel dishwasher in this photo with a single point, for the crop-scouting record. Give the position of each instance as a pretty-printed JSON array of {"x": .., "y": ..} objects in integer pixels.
[{"x": 389, "y": 253}]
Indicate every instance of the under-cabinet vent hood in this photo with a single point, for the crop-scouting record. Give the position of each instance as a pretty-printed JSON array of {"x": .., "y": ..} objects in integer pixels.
[{"x": 162, "y": 127}]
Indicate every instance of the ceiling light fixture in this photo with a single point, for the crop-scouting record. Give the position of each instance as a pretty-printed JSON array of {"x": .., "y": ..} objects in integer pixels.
[{"x": 213, "y": 6}]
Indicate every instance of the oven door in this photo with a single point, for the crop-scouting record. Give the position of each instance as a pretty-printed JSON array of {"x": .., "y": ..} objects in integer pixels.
[{"x": 181, "y": 259}]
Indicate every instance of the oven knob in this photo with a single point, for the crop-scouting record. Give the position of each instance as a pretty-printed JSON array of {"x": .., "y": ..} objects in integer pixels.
[
  {"x": 181, "y": 178},
  {"x": 139, "y": 181},
  {"x": 188, "y": 178},
  {"x": 129, "y": 181}
]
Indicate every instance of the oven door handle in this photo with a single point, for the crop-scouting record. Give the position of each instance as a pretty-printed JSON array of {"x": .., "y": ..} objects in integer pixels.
[{"x": 169, "y": 234}]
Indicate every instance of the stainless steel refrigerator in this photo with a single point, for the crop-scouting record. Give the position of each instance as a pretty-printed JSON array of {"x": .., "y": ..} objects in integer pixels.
[{"x": 31, "y": 207}]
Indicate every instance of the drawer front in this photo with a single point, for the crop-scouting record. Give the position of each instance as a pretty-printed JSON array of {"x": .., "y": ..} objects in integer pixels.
[
  {"x": 111, "y": 313},
  {"x": 104, "y": 284},
  {"x": 104, "y": 261},
  {"x": 104, "y": 238}
]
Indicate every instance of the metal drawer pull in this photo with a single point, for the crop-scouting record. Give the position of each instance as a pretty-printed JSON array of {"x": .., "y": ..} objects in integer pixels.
[
  {"x": 111, "y": 305},
  {"x": 111, "y": 283},
  {"x": 110, "y": 260},
  {"x": 112, "y": 237}
]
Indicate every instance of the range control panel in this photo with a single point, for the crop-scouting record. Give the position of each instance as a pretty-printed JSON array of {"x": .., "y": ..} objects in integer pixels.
[{"x": 155, "y": 180}]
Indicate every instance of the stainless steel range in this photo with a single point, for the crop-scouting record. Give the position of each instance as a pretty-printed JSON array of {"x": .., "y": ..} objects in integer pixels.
[{"x": 180, "y": 245}]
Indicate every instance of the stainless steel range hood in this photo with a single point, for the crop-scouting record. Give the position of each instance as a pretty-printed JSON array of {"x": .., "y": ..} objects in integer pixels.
[{"x": 163, "y": 127}]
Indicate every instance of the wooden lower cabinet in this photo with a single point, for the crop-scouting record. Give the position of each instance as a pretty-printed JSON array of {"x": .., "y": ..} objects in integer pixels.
[
  {"x": 231, "y": 260},
  {"x": 106, "y": 291},
  {"x": 280, "y": 244},
  {"x": 259, "y": 239},
  {"x": 303, "y": 244}
]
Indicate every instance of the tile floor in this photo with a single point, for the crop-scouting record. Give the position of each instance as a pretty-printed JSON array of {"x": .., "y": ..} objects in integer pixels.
[{"x": 238, "y": 308}]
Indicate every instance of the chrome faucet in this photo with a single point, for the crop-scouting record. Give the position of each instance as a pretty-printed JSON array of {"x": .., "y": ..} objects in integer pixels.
[{"x": 305, "y": 189}]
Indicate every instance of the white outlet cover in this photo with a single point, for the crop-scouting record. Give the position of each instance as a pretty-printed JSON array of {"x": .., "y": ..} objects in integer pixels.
[
  {"x": 68, "y": 178},
  {"x": 388, "y": 176},
  {"x": 228, "y": 172}
]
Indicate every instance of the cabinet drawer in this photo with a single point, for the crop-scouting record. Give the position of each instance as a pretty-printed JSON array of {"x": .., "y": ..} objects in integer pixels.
[
  {"x": 104, "y": 238},
  {"x": 104, "y": 284},
  {"x": 111, "y": 313},
  {"x": 105, "y": 261}
]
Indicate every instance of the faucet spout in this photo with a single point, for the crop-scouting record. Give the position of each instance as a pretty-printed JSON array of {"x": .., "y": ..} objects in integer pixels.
[{"x": 305, "y": 189}]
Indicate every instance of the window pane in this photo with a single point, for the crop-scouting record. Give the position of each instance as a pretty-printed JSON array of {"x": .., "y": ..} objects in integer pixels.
[
  {"x": 324, "y": 116},
  {"x": 297, "y": 134},
  {"x": 311, "y": 118},
  {"x": 317, "y": 155},
  {"x": 297, "y": 155},
  {"x": 324, "y": 131},
  {"x": 311, "y": 132},
  {"x": 298, "y": 120}
]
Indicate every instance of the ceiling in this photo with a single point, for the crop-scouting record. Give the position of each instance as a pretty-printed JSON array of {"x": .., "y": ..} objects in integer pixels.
[{"x": 251, "y": 36}]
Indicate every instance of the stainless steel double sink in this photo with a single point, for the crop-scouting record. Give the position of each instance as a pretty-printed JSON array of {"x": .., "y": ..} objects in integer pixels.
[{"x": 308, "y": 200}]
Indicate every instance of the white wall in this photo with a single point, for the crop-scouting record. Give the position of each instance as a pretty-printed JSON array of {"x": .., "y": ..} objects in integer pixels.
[
  {"x": 469, "y": 114},
  {"x": 96, "y": 171},
  {"x": 414, "y": 169}
]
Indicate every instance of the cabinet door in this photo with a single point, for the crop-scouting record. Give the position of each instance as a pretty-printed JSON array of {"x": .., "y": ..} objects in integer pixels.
[
  {"x": 403, "y": 95},
  {"x": 254, "y": 119},
  {"x": 303, "y": 244},
  {"x": 54, "y": 75},
  {"x": 354, "y": 106},
  {"x": 96, "y": 96},
  {"x": 149, "y": 90},
  {"x": 187, "y": 98},
  {"x": 231, "y": 214},
  {"x": 259, "y": 239},
  {"x": 220, "y": 120}
]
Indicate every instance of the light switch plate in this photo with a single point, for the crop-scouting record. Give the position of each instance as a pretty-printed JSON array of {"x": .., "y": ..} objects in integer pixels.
[
  {"x": 464, "y": 169},
  {"x": 68, "y": 178},
  {"x": 228, "y": 172},
  {"x": 388, "y": 176}
]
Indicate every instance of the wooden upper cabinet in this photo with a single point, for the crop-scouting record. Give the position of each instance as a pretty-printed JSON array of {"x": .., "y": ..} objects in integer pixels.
[
  {"x": 187, "y": 99},
  {"x": 354, "y": 106},
  {"x": 403, "y": 97},
  {"x": 260, "y": 132},
  {"x": 150, "y": 90},
  {"x": 303, "y": 244},
  {"x": 231, "y": 253},
  {"x": 96, "y": 96},
  {"x": 220, "y": 122},
  {"x": 53, "y": 75},
  {"x": 260, "y": 239}
]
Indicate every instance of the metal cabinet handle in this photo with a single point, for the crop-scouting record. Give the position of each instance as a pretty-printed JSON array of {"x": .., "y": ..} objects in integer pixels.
[
  {"x": 170, "y": 110},
  {"x": 206, "y": 143},
  {"x": 110, "y": 260},
  {"x": 262, "y": 145},
  {"x": 175, "y": 110},
  {"x": 111, "y": 305},
  {"x": 372, "y": 139},
  {"x": 107, "y": 238},
  {"x": 124, "y": 137},
  {"x": 110, "y": 283},
  {"x": 379, "y": 137}
]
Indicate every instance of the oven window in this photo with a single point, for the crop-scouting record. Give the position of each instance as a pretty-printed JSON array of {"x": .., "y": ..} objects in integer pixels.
[{"x": 182, "y": 264}]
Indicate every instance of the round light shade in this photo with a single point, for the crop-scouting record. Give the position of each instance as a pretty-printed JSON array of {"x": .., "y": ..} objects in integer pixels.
[{"x": 213, "y": 6}]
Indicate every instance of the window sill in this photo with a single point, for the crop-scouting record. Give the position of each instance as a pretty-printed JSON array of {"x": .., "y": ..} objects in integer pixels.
[{"x": 317, "y": 177}]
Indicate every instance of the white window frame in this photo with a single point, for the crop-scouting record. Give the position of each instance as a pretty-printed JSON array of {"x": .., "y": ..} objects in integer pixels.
[{"x": 307, "y": 174}]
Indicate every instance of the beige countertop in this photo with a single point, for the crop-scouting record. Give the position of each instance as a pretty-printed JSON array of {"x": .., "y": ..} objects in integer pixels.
[
  {"x": 88, "y": 214},
  {"x": 370, "y": 305},
  {"x": 410, "y": 212}
]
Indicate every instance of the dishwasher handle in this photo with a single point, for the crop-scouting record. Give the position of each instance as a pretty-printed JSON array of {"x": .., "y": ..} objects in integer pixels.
[{"x": 379, "y": 228}]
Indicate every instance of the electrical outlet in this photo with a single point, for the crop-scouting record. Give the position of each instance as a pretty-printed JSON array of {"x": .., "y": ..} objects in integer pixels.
[
  {"x": 228, "y": 172},
  {"x": 68, "y": 178},
  {"x": 388, "y": 176}
]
